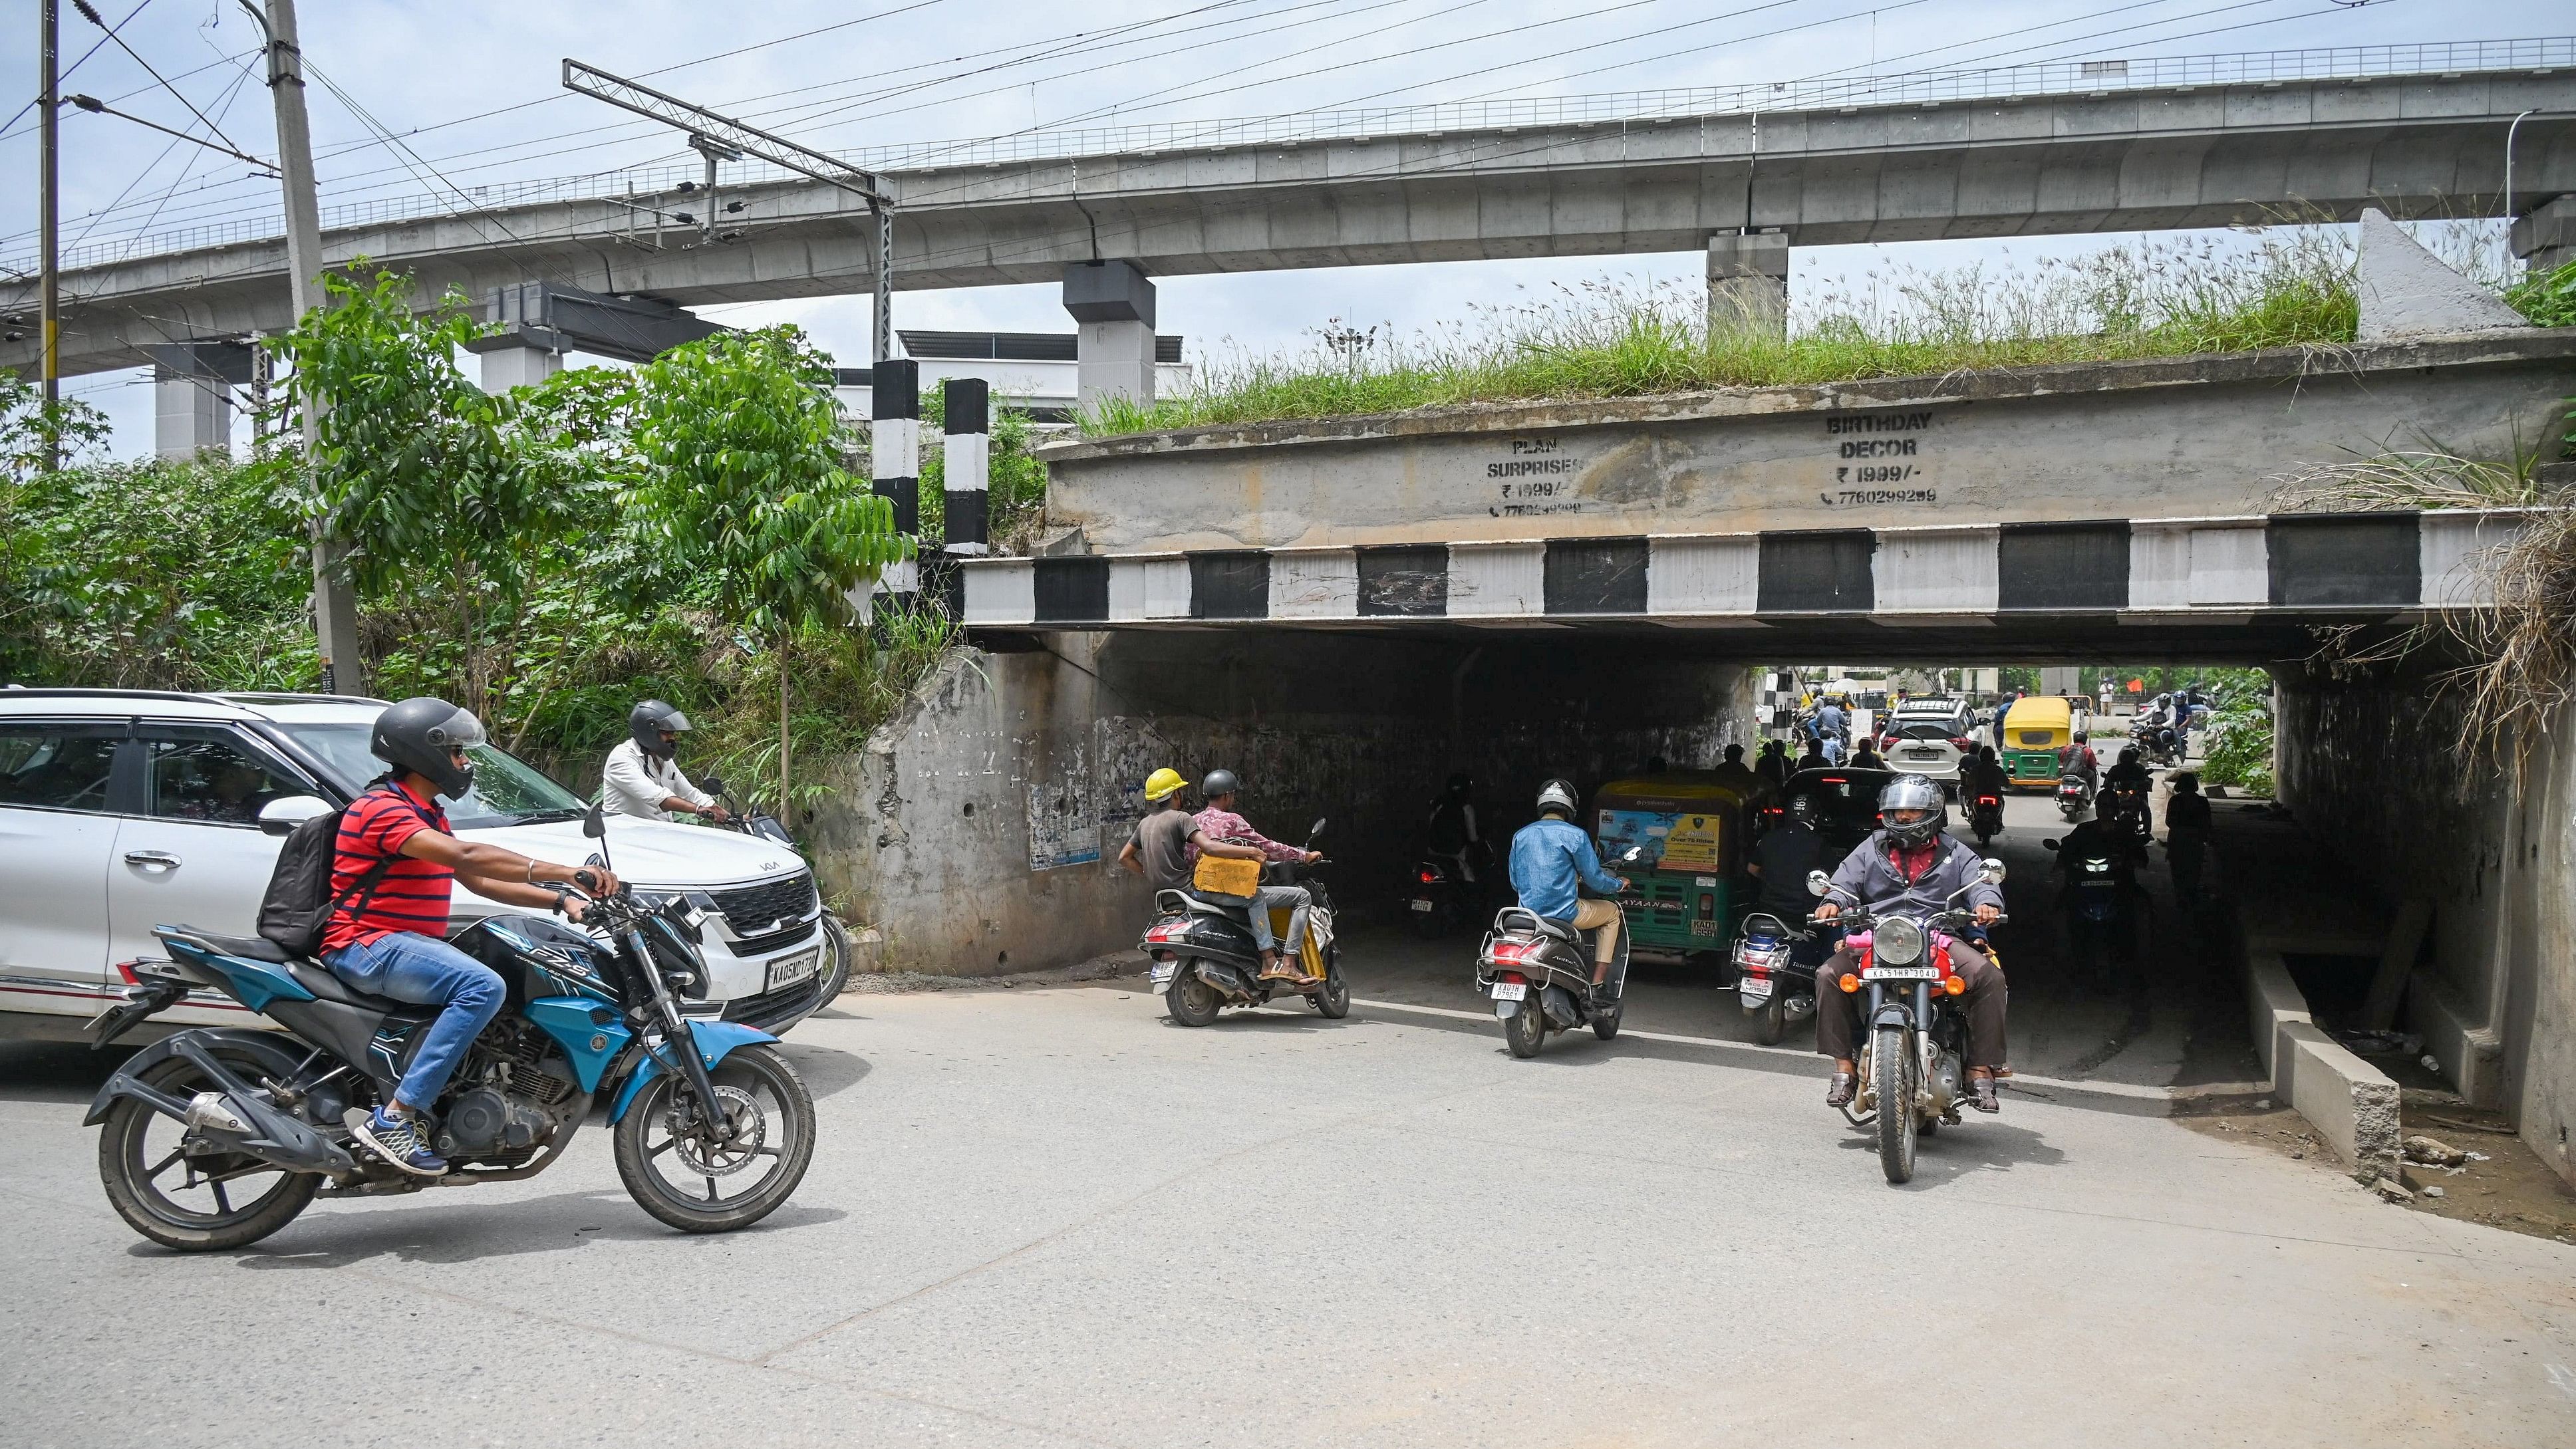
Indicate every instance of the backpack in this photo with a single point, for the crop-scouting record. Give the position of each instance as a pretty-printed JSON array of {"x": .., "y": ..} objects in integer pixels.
[{"x": 298, "y": 904}]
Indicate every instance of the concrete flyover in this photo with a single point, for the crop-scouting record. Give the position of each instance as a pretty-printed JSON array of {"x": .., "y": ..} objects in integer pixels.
[{"x": 2120, "y": 153}]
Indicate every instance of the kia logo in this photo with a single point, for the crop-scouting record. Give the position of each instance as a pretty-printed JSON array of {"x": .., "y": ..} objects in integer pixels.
[{"x": 769, "y": 865}]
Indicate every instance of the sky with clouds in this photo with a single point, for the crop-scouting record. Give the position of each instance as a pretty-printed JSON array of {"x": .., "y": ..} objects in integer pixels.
[{"x": 470, "y": 89}]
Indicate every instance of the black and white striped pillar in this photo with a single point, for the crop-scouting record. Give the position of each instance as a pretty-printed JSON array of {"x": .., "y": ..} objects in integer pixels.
[
  {"x": 969, "y": 464},
  {"x": 894, "y": 405}
]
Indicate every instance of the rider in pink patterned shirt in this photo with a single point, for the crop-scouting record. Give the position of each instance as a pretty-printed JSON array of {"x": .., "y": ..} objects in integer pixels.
[{"x": 1219, "y": 822}]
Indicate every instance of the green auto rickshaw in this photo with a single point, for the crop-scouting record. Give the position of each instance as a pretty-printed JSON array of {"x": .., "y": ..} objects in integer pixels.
[{"x": 1686, "y": 892}]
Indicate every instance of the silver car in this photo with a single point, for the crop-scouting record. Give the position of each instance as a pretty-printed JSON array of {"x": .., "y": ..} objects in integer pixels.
[{"x": 122, "y": 810}]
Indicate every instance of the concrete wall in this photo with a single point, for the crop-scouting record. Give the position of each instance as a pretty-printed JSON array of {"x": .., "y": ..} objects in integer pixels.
[
  {"x": 2371, "y": 766},
  {"x": 2171, "y": 438},
  {"x": 986, "y": 816}
]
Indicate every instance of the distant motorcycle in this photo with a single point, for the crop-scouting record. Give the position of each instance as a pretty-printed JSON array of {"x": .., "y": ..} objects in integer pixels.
[
  {"x": 1203, "y": 958},
  {"x": 1986, "y": 817},
  {"x": 2101, "y": 912},
  {"x": 2074, "y": 796},
  {"x": 1442, "y": 895}
]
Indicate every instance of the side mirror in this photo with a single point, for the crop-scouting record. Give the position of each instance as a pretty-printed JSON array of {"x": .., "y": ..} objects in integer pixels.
[
  {"x": 595, "y": 824},
  {"x": 714, "y": 784},
  {"x": 1992, "y": 872},
  {"x": 1315, "y": 829},
  {"x": 1818, "y": 882},
  {"x": 282, "y": 815},
  {"x": 2048, "y": 845}
]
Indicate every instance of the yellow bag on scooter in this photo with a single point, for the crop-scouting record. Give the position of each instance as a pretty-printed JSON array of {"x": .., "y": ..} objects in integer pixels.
[{"x": 1218, "y": 875}]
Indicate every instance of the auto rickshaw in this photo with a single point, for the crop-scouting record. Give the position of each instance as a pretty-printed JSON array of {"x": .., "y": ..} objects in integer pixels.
[
  {"x": 1685, "y": 892},
  {"x": 2035, "y": 729}
]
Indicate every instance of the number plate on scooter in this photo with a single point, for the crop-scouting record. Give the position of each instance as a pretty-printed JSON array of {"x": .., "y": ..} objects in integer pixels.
[
  {"x": 1901, "y": 973},
  {"x": 1511, "y": 991},
  {"x": 1753, "y": 993},
  {"x": 1163, "y": 974},
  {"x": 1422, "y": 905}
]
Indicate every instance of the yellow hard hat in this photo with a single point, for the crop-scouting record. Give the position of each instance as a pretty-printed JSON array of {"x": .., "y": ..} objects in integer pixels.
[{"x": 1163, "y": 784}]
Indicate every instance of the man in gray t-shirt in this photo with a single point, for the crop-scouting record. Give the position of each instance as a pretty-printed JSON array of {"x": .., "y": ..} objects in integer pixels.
[{"x": 1159, "y": 848}]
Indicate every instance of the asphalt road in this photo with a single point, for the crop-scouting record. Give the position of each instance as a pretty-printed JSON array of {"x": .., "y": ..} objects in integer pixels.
[{"x": 1044, "y": 1217}]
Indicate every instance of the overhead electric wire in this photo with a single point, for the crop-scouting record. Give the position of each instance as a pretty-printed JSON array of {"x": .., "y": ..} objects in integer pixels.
[
  {"x": 66, "y": 74},
  {"x": 90, "y": 14}
]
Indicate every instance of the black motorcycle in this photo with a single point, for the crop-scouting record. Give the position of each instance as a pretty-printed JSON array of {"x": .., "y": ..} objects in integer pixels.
[
  {"x": 1986, "y": 816},
  {"x": 757, "y": 822},
  {"x": 1204, "y": 958},
  {"x": 2100, "y": 905},
  {"x": 2124, "y": 808},
  {"x": 215, "y": 1138}
]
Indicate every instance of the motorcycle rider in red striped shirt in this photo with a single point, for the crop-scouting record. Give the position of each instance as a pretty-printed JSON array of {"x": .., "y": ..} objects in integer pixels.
[{"x": 384, "y": 938}]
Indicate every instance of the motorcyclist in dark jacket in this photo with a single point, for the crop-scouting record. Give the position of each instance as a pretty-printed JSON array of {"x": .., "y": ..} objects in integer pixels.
[{"x": 1909, "y": 864}]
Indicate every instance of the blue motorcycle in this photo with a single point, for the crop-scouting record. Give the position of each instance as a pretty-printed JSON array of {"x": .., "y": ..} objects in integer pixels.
[{"x": 215, "y": 1138}]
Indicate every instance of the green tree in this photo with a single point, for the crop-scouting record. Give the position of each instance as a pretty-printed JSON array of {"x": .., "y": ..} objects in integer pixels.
[
  {"x": 31, "y": 436},
  {"x": 443, "y": 493},
  {"x": 741, "y": 485}
]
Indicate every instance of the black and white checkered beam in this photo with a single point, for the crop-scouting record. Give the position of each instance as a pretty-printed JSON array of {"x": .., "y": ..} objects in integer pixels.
[
  {"x": 894, "y": 405},
  {"x": 969, "y": 464},
  {"x": 2138, "y": 570}
]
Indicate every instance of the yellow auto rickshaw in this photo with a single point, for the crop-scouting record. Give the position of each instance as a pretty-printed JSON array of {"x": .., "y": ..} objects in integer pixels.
[
  {"x": 2035, "y": 729},
  {"x": 1694, "y": 828}
]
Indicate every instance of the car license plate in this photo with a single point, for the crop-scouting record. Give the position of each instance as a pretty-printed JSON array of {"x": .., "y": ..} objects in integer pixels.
[
  {"x": 1922, "y": 754},
  {"x": 1901, "y": 973},
  {"x": 1753, "y": 991},
  {"x": 1511, "y": 991},
  {"x": 788, "y": 970},
  {"x": 1422, "y": 905}
]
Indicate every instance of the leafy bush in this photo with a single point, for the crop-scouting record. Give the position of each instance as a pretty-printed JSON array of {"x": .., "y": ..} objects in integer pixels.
[{"x": 2240, "y": 731}]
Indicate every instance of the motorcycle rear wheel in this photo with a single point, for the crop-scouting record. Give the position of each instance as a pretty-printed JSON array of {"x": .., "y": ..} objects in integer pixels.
[
  {"x": 1192, "y": 1001},
  {"x": 1891, "y": 1077},
  {"x": 1432, "y": 924},
  {"x": 1525, "y": 1030},
  {"x": 1605, "y": 1025},
  {"x": 134, "y": 1186},
  {"x": 786, "y": 1138}
]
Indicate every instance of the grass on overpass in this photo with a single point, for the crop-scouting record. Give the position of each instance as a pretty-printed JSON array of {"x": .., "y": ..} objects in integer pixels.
[{"x": 2290, "y": 287}]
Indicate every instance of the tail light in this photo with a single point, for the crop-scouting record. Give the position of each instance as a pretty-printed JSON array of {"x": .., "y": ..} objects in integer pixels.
[
  {"x": 1172, "y": 930},
  {"x": 1508, "y": 952},
  {"x": 1960, "y": 742},
  {"x": 1428, "y": 877},
  {"x": 1990, "y": 800},
  {"x": 126, "y": 970}
]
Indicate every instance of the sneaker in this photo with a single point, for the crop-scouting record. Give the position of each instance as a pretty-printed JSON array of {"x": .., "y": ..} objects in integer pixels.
[{"x": 397, "y": 1140}]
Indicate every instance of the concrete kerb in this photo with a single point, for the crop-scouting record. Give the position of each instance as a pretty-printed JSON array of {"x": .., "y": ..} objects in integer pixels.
[{"x": 2352, "y": 1104}]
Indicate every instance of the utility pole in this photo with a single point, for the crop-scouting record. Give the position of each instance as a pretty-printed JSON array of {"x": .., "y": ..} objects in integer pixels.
[
  {"x": 335, "y": 608},
  {"x": 50, "y": 221}
]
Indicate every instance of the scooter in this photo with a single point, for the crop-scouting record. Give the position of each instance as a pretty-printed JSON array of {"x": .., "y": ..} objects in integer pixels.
[
  {"x": 2125, "y": 809},
  {"x": 2074, "y": 796},
  {"x": 754, "y": 821},
  {"x": 1986, "y": 818},
  {"x": 1203, "y": 958},
  {"x": 1912, "y": 1080},
  {"x": 214, "y": 1138},
  {"x": 1772, "y": 985},
  {"x": 2100, "y": 915},
  {"x": 1442, "y": 894},
  {"x": 1539, "y": 974}
]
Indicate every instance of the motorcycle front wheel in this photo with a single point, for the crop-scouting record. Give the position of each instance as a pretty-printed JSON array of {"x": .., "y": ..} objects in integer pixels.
[
  {"x": 1891, "y": 1078},
  {"x": 1525, "y": 1030},
  {"x": 1334, "y": 1001},
  {"x": 678, "y": 1172},
  {"x": 196, "y": 1204},
  {"x": 1192, "y": 1001}
]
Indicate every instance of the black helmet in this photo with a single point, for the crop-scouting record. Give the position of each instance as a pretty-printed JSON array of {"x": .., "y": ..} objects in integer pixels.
[
  {"x": 2128, "y": 757},
  {"x": 1218, "y": 782},
  {"x": 1802, "y": 808},
  {"x": 417, "y": 734},
  {"x": 647, "y": 721},
  {"x": 1557, "y": 795},
  {"x": 1918, "y": 796}
]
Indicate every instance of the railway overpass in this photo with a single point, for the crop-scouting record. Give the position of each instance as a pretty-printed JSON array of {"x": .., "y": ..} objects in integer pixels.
[{"x": 1746, "y": 172}]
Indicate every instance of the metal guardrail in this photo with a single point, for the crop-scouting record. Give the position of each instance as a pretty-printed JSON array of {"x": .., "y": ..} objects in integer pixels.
[{"x": 2055, "y": 78}]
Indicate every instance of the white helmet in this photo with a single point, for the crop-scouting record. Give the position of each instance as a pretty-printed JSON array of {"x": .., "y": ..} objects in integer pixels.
[
  {"x": 1917, "y": 796},
  {"x": 1557, "y": 795}
]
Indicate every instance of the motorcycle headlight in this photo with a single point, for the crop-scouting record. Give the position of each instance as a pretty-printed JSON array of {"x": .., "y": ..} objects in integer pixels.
[{"x": 1896, "y": 942}]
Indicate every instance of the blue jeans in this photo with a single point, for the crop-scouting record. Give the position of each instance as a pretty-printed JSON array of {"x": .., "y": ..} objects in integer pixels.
[{"x": 415, "y": 969}]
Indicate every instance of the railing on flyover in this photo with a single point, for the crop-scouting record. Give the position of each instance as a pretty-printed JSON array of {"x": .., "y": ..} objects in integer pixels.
[{"x": 2054, "y": 78}]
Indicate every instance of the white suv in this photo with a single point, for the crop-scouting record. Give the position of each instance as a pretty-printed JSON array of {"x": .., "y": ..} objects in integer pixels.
[{"x": 123, "y": 810}]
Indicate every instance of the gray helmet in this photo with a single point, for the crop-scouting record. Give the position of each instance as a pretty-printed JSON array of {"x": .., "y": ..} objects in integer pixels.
[
  {"x": 417, "y": 734},
  {"x": 1557, "y": 795},
  {"x": 1218, "y": 782},
  {"x": 1918, "y": 794},
  {"x": 646, "y": 722}
]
